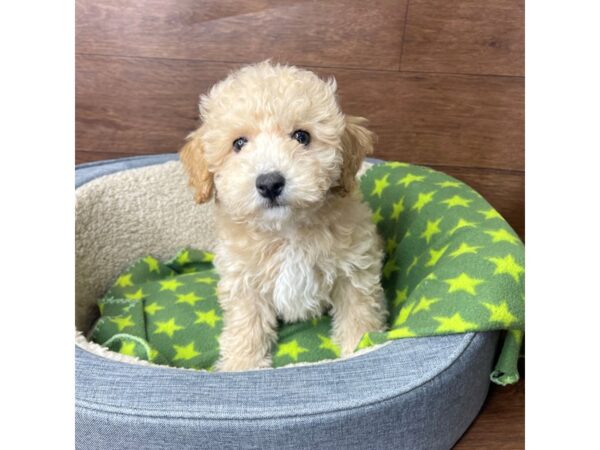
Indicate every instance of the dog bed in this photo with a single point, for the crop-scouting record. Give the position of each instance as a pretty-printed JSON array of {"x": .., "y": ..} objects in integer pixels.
[{"x": 410, "y": 393}]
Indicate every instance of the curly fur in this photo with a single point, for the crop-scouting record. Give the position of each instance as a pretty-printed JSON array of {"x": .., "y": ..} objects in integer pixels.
[{"x": 318, "y": 250}]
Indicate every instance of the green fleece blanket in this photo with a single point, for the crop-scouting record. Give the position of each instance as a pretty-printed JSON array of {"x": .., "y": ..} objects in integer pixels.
[{"x": 453, "y": 265}]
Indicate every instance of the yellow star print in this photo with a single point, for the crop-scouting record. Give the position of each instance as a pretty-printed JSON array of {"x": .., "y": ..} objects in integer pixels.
[
  {"x": 390, "y": 246},
  {"x": 446, "y": 184},
  {"x": 464, "y": 248},
  {"x": 137, "y": 295},
  {"x": 291, "y": 349},
  {"x": 185, "y": 352},
  {"x": 431, "y": 229},
  {"x": 210, "y": 318},
  {"x": 205, "y": 280},
  {"x": 390, "y": 267},
  {"x": 397, "y": 209},
  {"x": 127, "y": 348},
  {"x": 376, "y": 217},
  {"x": 435, "y": 256},
  {"x": 398, "y": 333},
  {"x": 500, "y": 313},
  {"x": 169, "y": 327},
  {"x": 404, "y": 313},
  {"x": 454, "y": 324},
  {"x": 153, "y": 308},
  {"x": 509, "y": 266},
  {"x": 380, "y": 185},
  {"x": 401, "y": 296},
  {"x": 394, "y": 164},
  {"x": 327, "y": 344},
  {"x": 365, "y": 341},
  {"x": 208, "y": 257},
  {"x": 463, "y": 282},
  {"x": 490, "y": 214},
  {"x": 501, "y": 235},
  {"x": 184, "y": 257},
  {"x": 169, "y": 285},
  {"x": 412, "y": 264},
  {"x": 410, "y": 178},
  {"x": 124, "y": 280},
  {"x": 462, "y": 223},
  {"x": 423, "y": 200},
  {"x": 457, "y": 200},
  {"x": 122, "y": 322},
  {"x": 424, "y": 304},
  {"x": 190, "y": 298},
  {"x": 152, "y": 264}
]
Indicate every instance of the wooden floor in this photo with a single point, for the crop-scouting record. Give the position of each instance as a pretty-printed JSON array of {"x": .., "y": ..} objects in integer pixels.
[{"x": 442, "y": 83}]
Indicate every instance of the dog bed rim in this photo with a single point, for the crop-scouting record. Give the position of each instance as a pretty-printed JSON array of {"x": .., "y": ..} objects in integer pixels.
[
  {"x": 190, "y": 415},
  {"x": 460, "y": 346},
  {"x": 254, "y": 409}
]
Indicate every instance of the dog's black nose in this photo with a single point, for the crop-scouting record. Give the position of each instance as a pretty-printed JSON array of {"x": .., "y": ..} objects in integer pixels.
[{"x": 270, "y": 185}]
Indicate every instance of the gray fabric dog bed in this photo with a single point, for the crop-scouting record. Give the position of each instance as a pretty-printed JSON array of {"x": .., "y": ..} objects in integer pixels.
[{"x": 417, "y": 393}]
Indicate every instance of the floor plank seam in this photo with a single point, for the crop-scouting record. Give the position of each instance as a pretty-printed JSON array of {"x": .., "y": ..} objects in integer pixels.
[{"x": 348, "y": 68}]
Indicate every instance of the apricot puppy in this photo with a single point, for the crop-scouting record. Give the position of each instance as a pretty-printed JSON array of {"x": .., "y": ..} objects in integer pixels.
[{"x": 295, "y": 240}]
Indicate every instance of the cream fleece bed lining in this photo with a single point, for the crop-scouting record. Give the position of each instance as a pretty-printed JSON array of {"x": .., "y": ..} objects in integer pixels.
[{"x": 125, "y": 216}]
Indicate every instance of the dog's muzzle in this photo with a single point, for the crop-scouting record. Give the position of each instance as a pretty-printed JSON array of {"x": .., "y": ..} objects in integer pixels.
[{"x": 270, "y": 185}]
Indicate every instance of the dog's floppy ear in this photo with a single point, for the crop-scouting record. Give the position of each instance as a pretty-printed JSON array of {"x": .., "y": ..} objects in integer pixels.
[
  {"x": 357, "y": 142},
  {"x": 192, "y": 158}
]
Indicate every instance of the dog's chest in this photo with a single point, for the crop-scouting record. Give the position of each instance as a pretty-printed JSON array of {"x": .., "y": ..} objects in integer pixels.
[{"x": 303, "y": 285}]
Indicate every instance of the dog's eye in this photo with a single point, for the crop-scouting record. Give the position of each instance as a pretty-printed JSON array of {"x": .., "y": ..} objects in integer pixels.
[
  {"x": 239, "y": 143},
  {"x": 301, "y": 136}
]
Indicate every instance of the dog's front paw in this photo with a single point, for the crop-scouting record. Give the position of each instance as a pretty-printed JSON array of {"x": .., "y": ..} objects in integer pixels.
[
  {"x": 348, "y": 343},
  {"x": 236, "y": 363},
  {"x": 349, "y": 338}
]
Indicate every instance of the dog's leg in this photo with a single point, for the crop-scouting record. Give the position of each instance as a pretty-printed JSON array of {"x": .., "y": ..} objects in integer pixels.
[
  {"x": 356, "y": 311},
  {"x": 249, "y": 331}
]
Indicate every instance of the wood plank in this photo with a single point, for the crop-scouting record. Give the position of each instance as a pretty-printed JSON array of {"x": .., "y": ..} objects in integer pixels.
[
  {"x": 137, "y": 105},
  {"x": 465, "y": 36},
  {"x": 333, "y": 33},
  {"x": 140, "y": 105},
  {"x": 468, "y": 121}
]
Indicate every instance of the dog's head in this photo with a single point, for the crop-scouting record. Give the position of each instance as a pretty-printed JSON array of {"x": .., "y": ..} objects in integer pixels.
[{"x": 274, "y": 144}]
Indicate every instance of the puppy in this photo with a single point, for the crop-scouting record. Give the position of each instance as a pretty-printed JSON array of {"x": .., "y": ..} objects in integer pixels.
[{"x": 294, "y": 238}]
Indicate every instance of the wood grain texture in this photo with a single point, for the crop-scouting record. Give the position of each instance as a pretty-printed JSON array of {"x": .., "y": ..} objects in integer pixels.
[
  {"x": 138, "y": 105},
  {"x": 332, "y": 33},
  {"x": 465, "y": 36},
  {"x": 440, "y": 119},
  {"x": 149, "y": 105}
]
